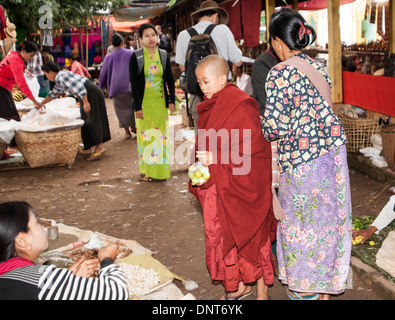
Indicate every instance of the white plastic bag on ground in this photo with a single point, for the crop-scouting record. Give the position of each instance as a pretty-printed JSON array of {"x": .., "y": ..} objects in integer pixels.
[{"x": 374, "y": 155}]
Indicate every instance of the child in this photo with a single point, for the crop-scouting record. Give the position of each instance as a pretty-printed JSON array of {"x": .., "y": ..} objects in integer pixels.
[{"x": 237, "y": 199}]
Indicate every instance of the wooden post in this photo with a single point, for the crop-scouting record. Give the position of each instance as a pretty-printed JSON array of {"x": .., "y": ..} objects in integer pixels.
[
  {"x": 335, "y": 50},
  {"x": 392, "y": 27},
  {"x": 295, "y": 5},
  {"x": 269, "y": 9},
  {"x": 86, "y": 48},
  {"x": 81, "y": 51}
]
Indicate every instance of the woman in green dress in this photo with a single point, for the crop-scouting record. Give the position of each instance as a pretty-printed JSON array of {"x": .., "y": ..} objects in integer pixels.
[{"x": 153, "y": 92}]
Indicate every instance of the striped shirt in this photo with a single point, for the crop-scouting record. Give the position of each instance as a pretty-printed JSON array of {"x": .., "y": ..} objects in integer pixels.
[
  {"x": 46, "y": 282},
  {"x": 70, "y": 84}
]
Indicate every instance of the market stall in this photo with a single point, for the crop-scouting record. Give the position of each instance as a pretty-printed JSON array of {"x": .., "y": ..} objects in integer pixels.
[{"x": 147, "y": 278}]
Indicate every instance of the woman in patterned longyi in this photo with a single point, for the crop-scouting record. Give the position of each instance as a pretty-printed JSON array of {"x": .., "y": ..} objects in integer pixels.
[{"x": 314, "y": 237}]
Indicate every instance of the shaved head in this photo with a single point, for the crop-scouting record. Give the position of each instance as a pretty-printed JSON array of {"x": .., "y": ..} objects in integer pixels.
[
  {"x": 216, "y": 63},
  {"x": 212, "y": 75}
]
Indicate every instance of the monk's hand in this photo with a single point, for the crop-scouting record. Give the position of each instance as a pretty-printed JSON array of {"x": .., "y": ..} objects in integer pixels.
[
  {"x": 205, "y": 157},
  {"x": 139, "y": 114},
  {"x": 172, "y": 107}
]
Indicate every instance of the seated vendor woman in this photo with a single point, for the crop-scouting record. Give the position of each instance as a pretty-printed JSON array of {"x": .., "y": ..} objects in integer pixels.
[
  {"x": 96, "y": 129},
  {"x": 23, "y": 239},
  {"x": 237, "y": 199}
]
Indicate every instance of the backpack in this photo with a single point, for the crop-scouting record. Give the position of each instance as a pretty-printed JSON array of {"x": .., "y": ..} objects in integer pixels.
[{"x": 200, "y": 46}]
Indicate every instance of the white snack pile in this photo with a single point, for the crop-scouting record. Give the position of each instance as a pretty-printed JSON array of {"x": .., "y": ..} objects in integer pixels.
[{"x": 140, "y": 280}]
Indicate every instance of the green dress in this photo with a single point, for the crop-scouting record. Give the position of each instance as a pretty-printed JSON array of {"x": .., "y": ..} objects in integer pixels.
[{"x": 152, "y": 131}]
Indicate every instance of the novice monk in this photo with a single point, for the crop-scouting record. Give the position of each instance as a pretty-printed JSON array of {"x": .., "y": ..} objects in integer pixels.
[{"x": 237, "y": 199}]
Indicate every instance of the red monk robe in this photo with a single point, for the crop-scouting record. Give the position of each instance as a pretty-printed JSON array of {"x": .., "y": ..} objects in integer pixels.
[{"x": 237, "y": 209}]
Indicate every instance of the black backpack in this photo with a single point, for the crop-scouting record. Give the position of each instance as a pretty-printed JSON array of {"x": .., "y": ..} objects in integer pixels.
[{"x": 200, "y": 46}]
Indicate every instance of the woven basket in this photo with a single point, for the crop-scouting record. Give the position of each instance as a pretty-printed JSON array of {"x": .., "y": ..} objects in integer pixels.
[
  {"x": 48, "y": 148},
  {"x": 358, "y": 131},
  {"x": 388, "y": 138}
]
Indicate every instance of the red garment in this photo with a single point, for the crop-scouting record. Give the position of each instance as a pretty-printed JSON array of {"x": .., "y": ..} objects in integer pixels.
[
  {"x": 251, "y": 19},
  {"x": 245, "y": 20},
  {"x": 234, "y": 23},
  {"x": 233, "y": 268},
  {"x": 3, "y": 35},
  {"x": 244, "y": 202},
  {"x": 12, "y": 70},
  {"x": 78, "y": 68},
  {"x": 14, "y": 263}
]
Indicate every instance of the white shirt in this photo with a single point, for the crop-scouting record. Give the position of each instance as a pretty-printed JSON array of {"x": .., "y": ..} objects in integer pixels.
[
  {"x": 222, "y": 37},
  {"x": 386, "y": 216},
  {"x": 244, "y": 83}
]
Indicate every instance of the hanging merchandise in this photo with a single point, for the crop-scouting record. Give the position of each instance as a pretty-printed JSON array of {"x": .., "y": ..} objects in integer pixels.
[
  {"x": 47, "y": 39},
  {"x": 3, "y": 24}
]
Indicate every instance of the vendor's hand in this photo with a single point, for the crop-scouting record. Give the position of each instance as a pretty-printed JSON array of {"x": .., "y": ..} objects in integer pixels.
[
  {"x": 85, "y": 268},
  {"x": 29, "y": 73},
  {"x": 110, "y": 251},
  {"x": 205, "y": 157},
  {"x": 87, "y": 107},
  {"x": 139, "y": 114},
  {"x": 172, "y": 107},
  {"x": 38, "y": 105},
  {"x": 366, "y": 233}
]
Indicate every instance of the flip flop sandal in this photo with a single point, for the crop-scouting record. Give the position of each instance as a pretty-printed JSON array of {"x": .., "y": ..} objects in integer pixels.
[
  {"x": 95, "y": 156},
  {"x": 82, "y": 151},
  {"x": 239, "y": 297},
  {"x": 314, "y": 296},
  {"x": 146, "y": 179}
]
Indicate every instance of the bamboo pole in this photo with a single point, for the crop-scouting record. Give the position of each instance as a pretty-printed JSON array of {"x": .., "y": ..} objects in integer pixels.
[
  {"x": 86, "y": 47},
  {"x": 335, "y": 50},
  {"x": 269, "y": 9},
  {"x": 392, "y": 27}
]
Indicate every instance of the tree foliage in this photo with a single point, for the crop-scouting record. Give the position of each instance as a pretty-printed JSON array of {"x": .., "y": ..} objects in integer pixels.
[{"x": 65, "y": 13}]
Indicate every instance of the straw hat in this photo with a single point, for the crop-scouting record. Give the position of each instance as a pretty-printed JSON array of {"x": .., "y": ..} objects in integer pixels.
[
  {"x": 10, "y": 30},
  {"x": 212, "y": 5}
]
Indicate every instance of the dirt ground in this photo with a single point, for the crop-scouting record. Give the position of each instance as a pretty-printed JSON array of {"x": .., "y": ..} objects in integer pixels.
[{"x": 106, "y": 196}]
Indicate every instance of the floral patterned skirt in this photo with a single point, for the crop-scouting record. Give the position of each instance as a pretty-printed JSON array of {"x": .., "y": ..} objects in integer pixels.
[{"x": 314, "y": 240}]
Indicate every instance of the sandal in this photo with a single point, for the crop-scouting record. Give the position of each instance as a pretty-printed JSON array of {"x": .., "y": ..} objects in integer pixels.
[
  {"x": 95, "y": 156},
  {"x": 146, "y": 179},
  {"x": 239, "y": 297},
  {"x": 314, "y": 296},
  {"x": 82, "y": 151}
]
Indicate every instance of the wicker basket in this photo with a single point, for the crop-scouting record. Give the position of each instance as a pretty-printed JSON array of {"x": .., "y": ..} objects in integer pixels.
[
  {"x": 358, "y": 131},
  {"x": 388, "y": 138},
  {"x": 49, "y": 148}
]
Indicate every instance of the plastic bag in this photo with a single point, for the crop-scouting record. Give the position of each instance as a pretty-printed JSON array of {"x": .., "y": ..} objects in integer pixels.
[
  {"x": 33, "y": 85},
  {"x": 198, "y": 173},
  {"x": 46, "y": 120},
  {"x": 7, "y": 131}
]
